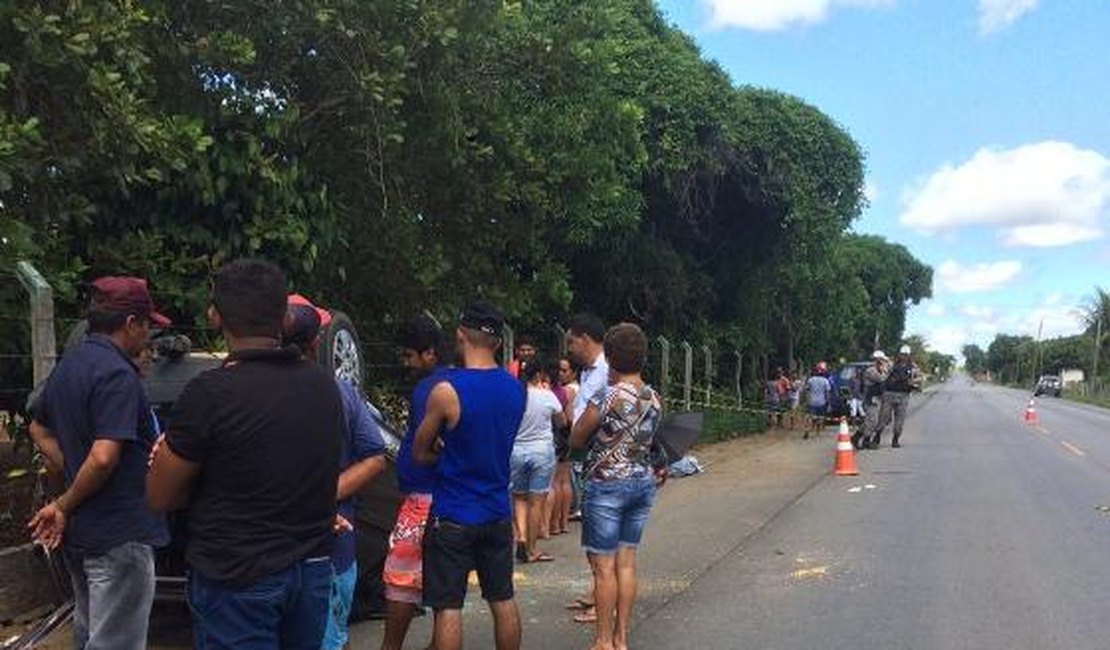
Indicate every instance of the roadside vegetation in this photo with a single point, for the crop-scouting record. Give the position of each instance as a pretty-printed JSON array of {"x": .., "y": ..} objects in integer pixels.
[
  {"x": 1019, "y": 361},
  {"x": 401, "y": 156}
]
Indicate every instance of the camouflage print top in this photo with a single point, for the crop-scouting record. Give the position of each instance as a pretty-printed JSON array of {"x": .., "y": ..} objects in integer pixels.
[{"x": 620, "y": 448}]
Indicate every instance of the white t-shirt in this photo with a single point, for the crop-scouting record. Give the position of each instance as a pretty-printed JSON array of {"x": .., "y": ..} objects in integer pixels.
[
  {"x": 594, "y": 379},
  {"x": 536, "y": 427}
]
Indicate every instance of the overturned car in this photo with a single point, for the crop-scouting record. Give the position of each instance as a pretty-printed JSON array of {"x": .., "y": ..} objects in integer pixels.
[{"x": 174, "y": 363}]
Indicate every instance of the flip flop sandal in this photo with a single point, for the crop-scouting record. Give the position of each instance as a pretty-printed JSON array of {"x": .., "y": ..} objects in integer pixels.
[
  {"x": 586, "y": 616},
  {"x": 539, "y": 557},
  {"x": 579, "y": 604}
]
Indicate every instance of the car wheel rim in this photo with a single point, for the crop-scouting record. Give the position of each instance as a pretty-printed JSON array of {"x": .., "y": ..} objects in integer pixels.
[{"x": 345, "y": 357}]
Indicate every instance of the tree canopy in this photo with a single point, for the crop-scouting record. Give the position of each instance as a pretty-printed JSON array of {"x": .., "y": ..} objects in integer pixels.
[{"x": 400, "y": 156}]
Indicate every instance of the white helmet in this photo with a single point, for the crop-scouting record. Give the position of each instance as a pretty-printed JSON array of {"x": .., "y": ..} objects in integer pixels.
[
  {"x": 905, "y": 349},
  {"x": 878, "y": 354}
]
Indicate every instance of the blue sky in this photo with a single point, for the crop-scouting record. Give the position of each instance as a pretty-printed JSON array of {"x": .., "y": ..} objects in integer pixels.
[{"x": 986, "y": 125}]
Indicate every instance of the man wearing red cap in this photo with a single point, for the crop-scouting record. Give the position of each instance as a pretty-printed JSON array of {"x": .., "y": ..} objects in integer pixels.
[
  {"x": 93, "y": 421},
  {"x": 362, "y": 459}
]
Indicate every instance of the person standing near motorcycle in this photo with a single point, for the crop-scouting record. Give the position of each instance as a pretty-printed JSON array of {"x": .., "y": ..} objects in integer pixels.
[{"x": 903, "y": 378}]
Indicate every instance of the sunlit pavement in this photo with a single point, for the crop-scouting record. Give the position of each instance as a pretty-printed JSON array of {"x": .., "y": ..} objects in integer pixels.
[{"x": 981, "y": 532}]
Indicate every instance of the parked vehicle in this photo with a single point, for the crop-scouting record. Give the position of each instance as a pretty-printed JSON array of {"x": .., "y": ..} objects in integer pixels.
[
  {"x": 1048, "y": 385},
  {"x": 176, "y": 363},
  {"x": 841, "y": 380}
]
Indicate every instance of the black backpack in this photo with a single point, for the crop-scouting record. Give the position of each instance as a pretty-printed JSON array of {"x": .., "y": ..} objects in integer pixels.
[{"x": 899, "y": 378}]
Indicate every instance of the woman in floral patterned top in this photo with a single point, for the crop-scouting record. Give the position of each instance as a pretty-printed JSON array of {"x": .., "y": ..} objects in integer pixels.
[{"x": 618, "y": 428}]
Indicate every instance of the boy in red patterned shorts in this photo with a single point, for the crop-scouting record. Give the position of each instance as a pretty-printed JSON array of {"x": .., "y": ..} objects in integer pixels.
[{"x": 422, "y": 349}]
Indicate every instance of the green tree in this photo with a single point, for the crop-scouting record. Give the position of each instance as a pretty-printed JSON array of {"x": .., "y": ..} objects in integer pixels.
[{"x": 975, "y": 359}]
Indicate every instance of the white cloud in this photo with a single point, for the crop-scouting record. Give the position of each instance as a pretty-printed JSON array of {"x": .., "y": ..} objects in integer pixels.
[
  {"x": 774, "y": 15},
  {"x": 1045, "y": 194},
  {"x": 954, "y": 277},
  {"x": 977, "y": 312},
  {"x": 935, "y": 309},
  {"x": 996, "y": 15},
  {"x": 871, "y": 191}
]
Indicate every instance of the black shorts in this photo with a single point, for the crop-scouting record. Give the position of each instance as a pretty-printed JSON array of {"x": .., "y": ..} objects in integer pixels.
[{"x": 452, "y": 551}]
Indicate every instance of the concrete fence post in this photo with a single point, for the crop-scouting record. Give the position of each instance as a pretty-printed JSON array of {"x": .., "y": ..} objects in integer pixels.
[
  {"x": 664, "y": 365},
  {"x": 738, "y": 379},
  {"x": 507, "y": 345},
  {"x": 560, "y": 339},
  {"x": 44, "y": 344},
  {"x": 687, "y": 375},
  {"x": 708, "y": 374}
]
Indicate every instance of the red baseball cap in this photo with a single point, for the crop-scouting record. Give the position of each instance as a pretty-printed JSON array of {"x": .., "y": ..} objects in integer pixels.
[
  {"x": 298, "y": 299},
  {"x": 126, "y": 294}
]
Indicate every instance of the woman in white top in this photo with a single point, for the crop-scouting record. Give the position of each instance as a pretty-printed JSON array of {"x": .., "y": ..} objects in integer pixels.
[{"x": 533, "y": 461}]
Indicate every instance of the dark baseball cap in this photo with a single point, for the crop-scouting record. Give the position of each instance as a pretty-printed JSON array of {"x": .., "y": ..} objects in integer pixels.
[
  {"x": 128, "y": 295},
  {"x": 483, "y": 316}
]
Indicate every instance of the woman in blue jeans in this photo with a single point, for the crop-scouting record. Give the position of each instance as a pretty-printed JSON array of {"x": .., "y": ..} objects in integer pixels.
[{"x": 618, "y": 430}]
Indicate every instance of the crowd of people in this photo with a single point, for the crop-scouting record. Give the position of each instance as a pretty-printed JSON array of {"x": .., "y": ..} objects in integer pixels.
[
  {"x": 261, "y": 459},
  {"x": 873, "y": 397}
]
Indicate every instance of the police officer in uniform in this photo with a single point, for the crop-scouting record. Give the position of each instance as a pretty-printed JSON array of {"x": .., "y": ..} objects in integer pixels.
[{"x": 903, "y": 378}]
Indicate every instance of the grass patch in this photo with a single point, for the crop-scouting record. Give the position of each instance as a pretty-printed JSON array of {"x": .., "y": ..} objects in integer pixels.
[
  {"x": 1096, "y": 400},
  {"x": 722, "y": 424}
]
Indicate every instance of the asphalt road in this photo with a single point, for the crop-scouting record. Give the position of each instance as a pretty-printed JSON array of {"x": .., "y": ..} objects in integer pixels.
[{"x": 981, "y": 532}]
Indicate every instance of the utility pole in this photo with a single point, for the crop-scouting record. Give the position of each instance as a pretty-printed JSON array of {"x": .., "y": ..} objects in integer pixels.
[
  {"x": 1040, "y": 353},
  {"x": 1098, "y": 340}
]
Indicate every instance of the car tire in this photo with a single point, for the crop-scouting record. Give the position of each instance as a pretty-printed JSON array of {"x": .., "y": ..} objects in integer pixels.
[{"x": 340, "y": 351}]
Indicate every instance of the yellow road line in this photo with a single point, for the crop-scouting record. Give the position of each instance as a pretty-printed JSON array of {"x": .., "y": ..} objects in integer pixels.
[{"x": 1072, "y": 448}]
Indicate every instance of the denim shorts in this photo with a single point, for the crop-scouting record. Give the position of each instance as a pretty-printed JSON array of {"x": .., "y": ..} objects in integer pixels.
[
  {"x": 532, "y": 466},
  {"x": 614, "y": 513}
]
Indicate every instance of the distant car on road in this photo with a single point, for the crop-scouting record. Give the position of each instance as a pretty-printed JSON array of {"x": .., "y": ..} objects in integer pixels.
[{"x": 1049, "y": 385}]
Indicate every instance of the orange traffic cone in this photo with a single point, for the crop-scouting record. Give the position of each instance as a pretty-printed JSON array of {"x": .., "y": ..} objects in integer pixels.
[
  {"x": 1030, "y": 413},
  {"x": 845, "y": 454}
]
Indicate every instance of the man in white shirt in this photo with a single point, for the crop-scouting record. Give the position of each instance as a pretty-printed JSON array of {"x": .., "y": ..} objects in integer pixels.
[
  {"x": 585, "y": 334},
  {"x": 585, "y": 337}
]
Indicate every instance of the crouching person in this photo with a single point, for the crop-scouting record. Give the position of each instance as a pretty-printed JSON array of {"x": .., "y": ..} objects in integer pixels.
[
  {"x": 253, "y": 450},
  {"x": 618, "y": 429}
]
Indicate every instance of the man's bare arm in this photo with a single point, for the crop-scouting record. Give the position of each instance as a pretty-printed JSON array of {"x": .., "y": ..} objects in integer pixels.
[
  {"x": 585, "y": 426},
  {"x": 48, "y": 446},
  {"x": 170, "y": 479},
  {"x": 441, "y": 412},
  {"x": 93, "y": 474},
  {"x": 358, "y": 476}
]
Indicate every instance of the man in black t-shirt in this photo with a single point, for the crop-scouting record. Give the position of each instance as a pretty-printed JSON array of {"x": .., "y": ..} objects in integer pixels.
[{"x": 252, "y": 449}]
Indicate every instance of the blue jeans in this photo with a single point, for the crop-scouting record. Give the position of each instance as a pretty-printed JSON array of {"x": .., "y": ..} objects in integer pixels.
[
  {"x": 286, "y": 610},
  {"x": 112, "y": 593},
  {"x": 614, "y": 513},
  {"x": 339, "y": 610}
]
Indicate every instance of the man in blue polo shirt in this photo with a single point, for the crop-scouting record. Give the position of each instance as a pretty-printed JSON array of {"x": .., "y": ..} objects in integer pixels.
[
  {"x": 93, "y": 420},
  {"x": 469, "y": 426},
  {"x": 361, "y": 460}
]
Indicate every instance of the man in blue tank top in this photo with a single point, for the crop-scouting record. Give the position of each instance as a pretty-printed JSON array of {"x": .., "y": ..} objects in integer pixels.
[{"x": 469, "y": 426}]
